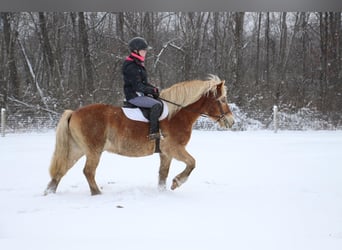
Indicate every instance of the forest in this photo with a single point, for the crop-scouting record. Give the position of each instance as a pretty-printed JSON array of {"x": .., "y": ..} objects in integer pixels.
[{"x": 51, "y": 61}]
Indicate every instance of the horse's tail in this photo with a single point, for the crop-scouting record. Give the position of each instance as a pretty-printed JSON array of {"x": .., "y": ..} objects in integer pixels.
[{"x": 59, "y": 163}]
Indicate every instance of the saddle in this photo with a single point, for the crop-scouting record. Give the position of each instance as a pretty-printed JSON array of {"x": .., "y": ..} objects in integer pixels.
[{"x": 142, "y": 114}]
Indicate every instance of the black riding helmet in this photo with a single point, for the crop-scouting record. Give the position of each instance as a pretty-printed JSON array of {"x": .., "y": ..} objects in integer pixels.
[{"x": 138, "y": 43}]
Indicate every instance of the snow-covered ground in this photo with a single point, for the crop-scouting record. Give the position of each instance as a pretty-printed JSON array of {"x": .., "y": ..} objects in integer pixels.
[{"x": 250, "y": 190}]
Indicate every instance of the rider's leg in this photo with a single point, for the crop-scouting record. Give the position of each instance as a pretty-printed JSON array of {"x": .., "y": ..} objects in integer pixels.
[
  {"x": 154, "y": 123},
  {"x": 155, "y": 111}
]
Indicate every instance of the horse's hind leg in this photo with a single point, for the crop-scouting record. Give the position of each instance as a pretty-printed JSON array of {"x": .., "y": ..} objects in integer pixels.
[
  {"x": 60, "y": 164},
  {"x": 190, "y": 165},
  {"x": 89, "y": 172},
  {"x": 165, "y": 162}
]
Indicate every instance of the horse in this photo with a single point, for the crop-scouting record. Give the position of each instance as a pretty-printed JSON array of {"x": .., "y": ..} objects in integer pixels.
[{"x": 95, "y": 128}]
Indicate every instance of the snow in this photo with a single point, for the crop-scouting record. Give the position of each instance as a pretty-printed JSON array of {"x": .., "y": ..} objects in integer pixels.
[{"x": 250, "y": 190}]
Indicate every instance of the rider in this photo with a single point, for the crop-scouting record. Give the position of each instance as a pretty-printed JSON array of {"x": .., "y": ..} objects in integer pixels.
[{"x": 138, "y": 91}]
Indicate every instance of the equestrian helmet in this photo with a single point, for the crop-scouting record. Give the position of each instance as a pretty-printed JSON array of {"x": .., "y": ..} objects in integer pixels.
[{"x": 138, "y": 43}]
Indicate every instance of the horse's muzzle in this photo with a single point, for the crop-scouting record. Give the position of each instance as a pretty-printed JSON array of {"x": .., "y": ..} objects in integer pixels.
[{"x": 228, "y": 121}]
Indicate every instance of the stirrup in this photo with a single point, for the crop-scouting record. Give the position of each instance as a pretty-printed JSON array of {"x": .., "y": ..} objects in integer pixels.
[{"x": 154, "y": 136}]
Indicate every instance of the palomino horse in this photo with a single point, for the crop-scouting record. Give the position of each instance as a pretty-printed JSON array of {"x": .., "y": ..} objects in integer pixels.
[{"x": 95, "y": 128}]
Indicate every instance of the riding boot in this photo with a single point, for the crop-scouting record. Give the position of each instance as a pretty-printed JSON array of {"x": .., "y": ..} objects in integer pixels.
[{"x": 155, "y": 112}]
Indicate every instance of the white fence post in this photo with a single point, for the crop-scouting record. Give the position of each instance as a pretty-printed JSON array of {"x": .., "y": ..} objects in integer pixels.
[
  {"x": 275, "y": 118},
  {"x": 3, "y": 121}
]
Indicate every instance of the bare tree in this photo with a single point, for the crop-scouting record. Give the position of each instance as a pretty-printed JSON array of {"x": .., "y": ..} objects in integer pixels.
[
  {"x": 10, "y": 37},
  {"x": 267, "y": 48},
  {"x": 282, "y": 58},
  {"x": 47, "y": 50},
  {"x": 89, "y": 79},
  {"x": 323, "y": 19},
  {"x": 238, "y": 43},
  {"x": 257, "y": 66},
  {"x": 63, "y": 60}
]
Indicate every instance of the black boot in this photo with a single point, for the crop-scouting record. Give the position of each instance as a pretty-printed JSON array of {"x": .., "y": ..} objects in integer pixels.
[{"x": 155, "y": 112}]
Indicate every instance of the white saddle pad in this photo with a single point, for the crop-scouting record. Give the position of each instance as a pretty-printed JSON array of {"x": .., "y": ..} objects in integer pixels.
[{"x": 136, "y": 114}]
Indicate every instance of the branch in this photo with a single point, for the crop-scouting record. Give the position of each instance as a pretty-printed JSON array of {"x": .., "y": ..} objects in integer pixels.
[
  {"x": 158, "y": 56},
  {"x": 176, "y": 47},
  {"x": 32, "y": 106},
  {"x": 169, "y": 43},
  {"x": 98, "y": 23},
  {"x": 28, "y": 63}
]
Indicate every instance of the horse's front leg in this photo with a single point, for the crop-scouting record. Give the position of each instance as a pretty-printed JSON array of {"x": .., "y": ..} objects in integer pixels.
[
  {"x": 190, "y": 162},
  {"x": 165, "y": 162}
]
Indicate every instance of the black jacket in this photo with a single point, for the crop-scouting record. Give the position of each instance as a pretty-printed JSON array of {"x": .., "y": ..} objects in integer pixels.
[{"x": 135, "y": 78}]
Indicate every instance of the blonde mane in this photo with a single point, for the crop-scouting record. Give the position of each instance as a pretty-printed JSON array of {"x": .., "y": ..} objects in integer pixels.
[{"x": 186, "y": 93}]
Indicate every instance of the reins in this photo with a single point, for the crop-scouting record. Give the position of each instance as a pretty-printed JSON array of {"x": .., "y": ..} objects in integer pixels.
[
  {"x": 181, "y": 106},
  {"x": 176, "y": 104},
  {"x": 219, "y": 117}
]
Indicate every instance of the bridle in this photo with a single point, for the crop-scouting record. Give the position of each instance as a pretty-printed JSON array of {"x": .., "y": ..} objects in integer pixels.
[
  {"x": 206, "y": 115},
  {"x": 222, "y": 116}
]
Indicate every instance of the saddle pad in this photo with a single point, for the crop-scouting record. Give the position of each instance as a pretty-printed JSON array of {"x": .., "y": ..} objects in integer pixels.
[{"x": 136, "y": 114}]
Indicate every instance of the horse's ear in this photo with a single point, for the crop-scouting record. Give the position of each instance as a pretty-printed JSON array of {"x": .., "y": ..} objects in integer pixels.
[{"x": 220, "y": 88}]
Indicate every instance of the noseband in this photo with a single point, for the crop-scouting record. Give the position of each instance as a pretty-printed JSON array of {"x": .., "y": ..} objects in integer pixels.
[{"x": 223, "y": 115}]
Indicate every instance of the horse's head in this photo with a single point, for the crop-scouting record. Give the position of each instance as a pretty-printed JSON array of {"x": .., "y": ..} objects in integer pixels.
[
  {"x": 218, "y": 109},
  {"x": 201, "y": 97}
]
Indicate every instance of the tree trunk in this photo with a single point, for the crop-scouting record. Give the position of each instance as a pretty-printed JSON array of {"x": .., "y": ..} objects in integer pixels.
[
  {"x": 305, "y": 42},
  {"x": 323, "y": 17},
  {"x": 3, "y": 81},
  {"x": 86, "y": 54},
  {"x": 238, "y": 42},
  {"x": 216, "y": 37},
  {"x": 267, "y": 44},
  {"x": 47, "y": 50},
  {"x": 333, "y": 60},
  {"x": 338, "y": 90},
  {"x": 10, "y": 36},
  {"x": 120, "y": 20},
  {"x": 282, "y": 58},
  {"x": 257, "y": 66},
  {"x": 80, "y": 85}
]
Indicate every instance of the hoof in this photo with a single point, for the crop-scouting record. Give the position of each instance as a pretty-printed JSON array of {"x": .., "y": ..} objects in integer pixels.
[
  {"x": 162, "y": 188},
  {"x": 175, "y": 184},
  {"x": 51, "y": 188},
  {"x": 49, "y": 191},
  {"x": 96, "y": 192},
  {"x": 162, "y": 185}
]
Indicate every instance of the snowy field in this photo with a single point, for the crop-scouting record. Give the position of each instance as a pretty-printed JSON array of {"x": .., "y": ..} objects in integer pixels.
[{"x": 249, "y": 191}]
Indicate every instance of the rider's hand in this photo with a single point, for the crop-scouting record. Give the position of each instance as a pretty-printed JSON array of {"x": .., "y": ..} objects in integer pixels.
[{"x": 155, "y": 93}]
